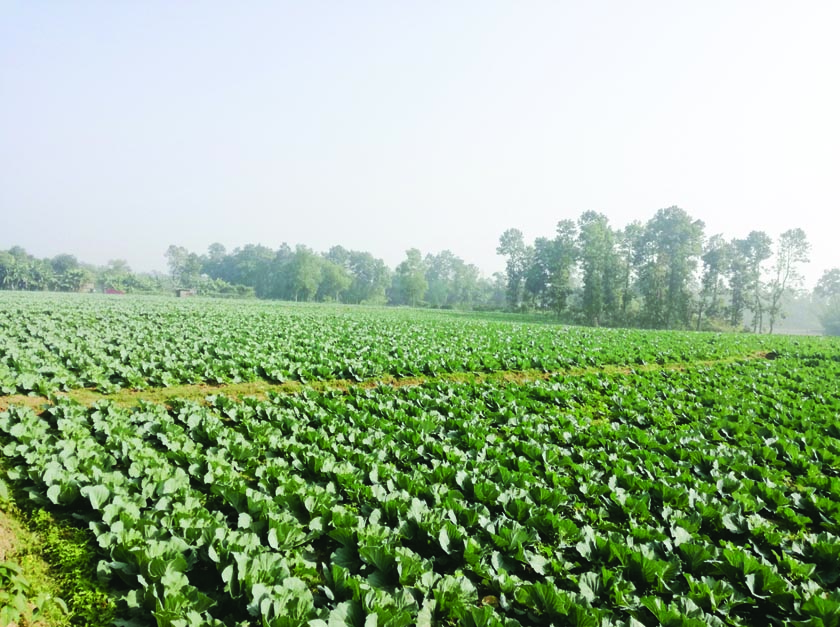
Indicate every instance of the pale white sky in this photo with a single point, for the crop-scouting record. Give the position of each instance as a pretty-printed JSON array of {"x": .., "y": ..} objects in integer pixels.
[{"x": 125, "y": 127}]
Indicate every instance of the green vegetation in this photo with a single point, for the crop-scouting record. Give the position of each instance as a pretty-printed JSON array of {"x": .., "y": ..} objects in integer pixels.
[
  {"x": 828, "y": 291},
  {"x": 644, "y": 275},
  {"x": 531, "y": 474},
  {"x": 663, "y": 274},
  {"x": 47, "y": 569},
  {"x": 20, "y": 271},
  {"x": 58, "y": 342}
]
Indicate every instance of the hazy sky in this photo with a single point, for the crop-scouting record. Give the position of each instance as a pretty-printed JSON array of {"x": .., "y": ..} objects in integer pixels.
[{"x": 125, "y": 127}]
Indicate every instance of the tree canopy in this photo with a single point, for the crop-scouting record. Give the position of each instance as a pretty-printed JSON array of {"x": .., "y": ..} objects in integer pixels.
[{"x": 663, "y": 273}]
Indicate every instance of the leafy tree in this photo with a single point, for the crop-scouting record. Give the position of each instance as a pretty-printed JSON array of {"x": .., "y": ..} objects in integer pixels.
[
  {"x": 184, "y": 266},
  {"x": 143, "y": 283},
  {"x": 73, "y": 279},
  {"x": 254, "y": 266},
  {"x": 596, "y": 249},
  {"x": 828, "y": 289},
  {"x": 410, "y": 279},
  {"x": 791, "y": 250},
  {"x": 829, "y": 284},
  {"x": 303, "y": 272},
  {"x": 538, "y": 274},
  {"x": 213, "y": 263},
  {"x": 440, "y": 273},
  {"x": 667, "y": 255},
  {"x": 750, "y": 254},
  {"x": 512, "y": 245},
  {"x": 451, "y": 281},
  {"x": 739, "y": 279},
  {"x": 115, "y": 275},
  {"x": 627, "y": 242},
  {"x": 338, "y": 255},
  {"x": 16, "y": 272},
  {"x": 335, "y": 280},
  {"x": 466, "y": 284},
  {"x": 370, "y": 276},
  {"x": 7, "y": 270},
  {"x": 493, "y": 291},
  {"x": 565, "y": 258},
  {"x": 62, "y": 263},
  {"x": 42, "y": 275},
  {"x": 70, "y": 276},
  {"x": 716, "y": 261}
]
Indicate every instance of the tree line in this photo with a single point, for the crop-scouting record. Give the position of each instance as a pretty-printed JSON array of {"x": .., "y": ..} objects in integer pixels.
[
  {"x": 300, "y": 274},
  {"x": 22, "y": 271},
  {"x": 440, "y": 280},
  {"x": 663, "y": 274}
]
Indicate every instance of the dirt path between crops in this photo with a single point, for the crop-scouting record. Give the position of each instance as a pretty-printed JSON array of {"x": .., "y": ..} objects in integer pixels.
[
  {"x": 261, "y": 389},
  {"x": 7, "y": 537}
]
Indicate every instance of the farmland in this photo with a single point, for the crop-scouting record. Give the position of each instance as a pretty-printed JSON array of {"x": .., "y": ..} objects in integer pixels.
[{"x": 531, "y": 474}]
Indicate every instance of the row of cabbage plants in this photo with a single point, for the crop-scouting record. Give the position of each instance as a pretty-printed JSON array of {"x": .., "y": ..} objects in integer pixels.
[
  {"x": 65, "y": 341},
  {"x": 704, "y": 496}
]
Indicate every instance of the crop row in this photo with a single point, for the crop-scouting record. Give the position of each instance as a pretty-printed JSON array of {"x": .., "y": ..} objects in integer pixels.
[
  {"x": 61, "y": 342},
  {"x": 709, "y": 496}
]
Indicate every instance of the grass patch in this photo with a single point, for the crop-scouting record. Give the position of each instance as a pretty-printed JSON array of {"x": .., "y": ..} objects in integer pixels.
[
  {"x": 29, "y": 596},
  {"x": 48, "y": 571}
]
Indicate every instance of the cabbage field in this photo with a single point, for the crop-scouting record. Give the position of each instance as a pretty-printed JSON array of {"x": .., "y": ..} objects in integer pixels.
[{"x": 469, "y": 470}]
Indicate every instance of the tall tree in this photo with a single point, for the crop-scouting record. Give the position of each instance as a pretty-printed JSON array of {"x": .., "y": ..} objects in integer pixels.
[
  {"x": 565, "y": 258},
  {"x": 69, "y": 273},
  {"x": 627, "y": 242},
  {"x": 184, "y": 266},
  {"x": 335, "y": 279},
  {"x": 43, "y": 275},
  {"x": 512, "y": 245},
  {"x": 116, "y": 275},
  {"x": 410, "y": 279},
  {"x": 597, "y": 256},
  {"x": 259, "y": 267},
  {"x": 792, "y": 249},
  {"x": 828, "y": 289},
  {"x": 440, "y": 272},
  {"x": 213, "y": 262},
  {"x": 16, "y": 269},
  {"x": 749, "y": 255},
  {"x": 303, "y": 273},
  {"x": 466, "y": 284},
  {"x": 538, "y": 274},
  {"x": 667, "y": 254},
  {"x": 371, "y": 277},
  {"x": 716, "y": 261},
  {"x": 738, "y": 276}
]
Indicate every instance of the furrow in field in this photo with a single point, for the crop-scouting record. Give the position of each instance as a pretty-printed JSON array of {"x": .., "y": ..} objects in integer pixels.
[{"x": 261, "y": 389}]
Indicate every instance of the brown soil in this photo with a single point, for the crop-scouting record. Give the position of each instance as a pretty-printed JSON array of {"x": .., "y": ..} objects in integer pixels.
[{"x": 7, "y": 537}]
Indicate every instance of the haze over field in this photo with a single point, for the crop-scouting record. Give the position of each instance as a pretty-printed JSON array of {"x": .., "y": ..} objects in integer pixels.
[{"x": 383, "y": 127}]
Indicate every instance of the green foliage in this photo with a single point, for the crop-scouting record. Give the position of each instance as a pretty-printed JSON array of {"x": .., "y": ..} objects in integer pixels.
[
  {"x": 17, "y": 601},
  {"x": 51, "y": 343},
  {"x": 72, "y": 559},
  {"x": 706, "y": 495},
  {"x": 828, "y": 289}
]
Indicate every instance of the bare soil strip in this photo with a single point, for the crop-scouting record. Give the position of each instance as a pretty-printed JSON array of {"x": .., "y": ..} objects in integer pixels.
[{"x": 262, "y": 389}]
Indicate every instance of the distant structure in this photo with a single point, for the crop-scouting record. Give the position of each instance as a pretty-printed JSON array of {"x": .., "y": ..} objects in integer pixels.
[
  {"x": 111, "y": 290},
  {"x": 184, "y": 293},
  {"x": 87, "y": 288}
]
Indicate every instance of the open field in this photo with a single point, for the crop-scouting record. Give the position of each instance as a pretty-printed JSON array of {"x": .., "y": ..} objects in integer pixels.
[
  {"x": 61, "y": 342},
  {"x": 334, "y": 466}
]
